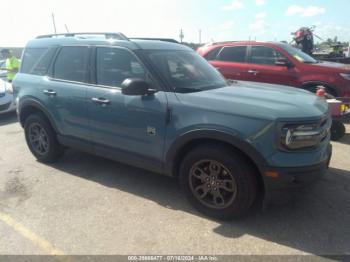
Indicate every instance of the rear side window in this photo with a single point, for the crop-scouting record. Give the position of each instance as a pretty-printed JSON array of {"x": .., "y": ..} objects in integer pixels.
[
  {"x": 43, "y": 64},
  {"x": 212, "y": 55},
  {"x": 31, "y": 57},
  {"x": 114, "y": 65},
  {"x": 233, "y": 54},
  {"x": 71, "y": 64},
  {"x": 264, "y": 55}
]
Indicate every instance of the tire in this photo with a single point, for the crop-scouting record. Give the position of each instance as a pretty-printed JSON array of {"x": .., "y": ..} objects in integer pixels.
[
  {"x": 337, "y": 130},
  {"x": 230, "y": 166},
  {"x": 38, "y": 133}
]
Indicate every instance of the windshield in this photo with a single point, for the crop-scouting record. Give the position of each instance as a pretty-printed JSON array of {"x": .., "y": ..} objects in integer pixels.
[
  {"x": 186, "y": 71},
  {"x": 298, "y": 54}
]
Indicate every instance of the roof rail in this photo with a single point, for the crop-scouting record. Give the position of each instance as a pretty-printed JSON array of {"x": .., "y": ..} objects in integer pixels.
[
  {"x": 227, "y": 42},
  {"x": 155, "y": 39},
  {"x": 117, "y": 36}
]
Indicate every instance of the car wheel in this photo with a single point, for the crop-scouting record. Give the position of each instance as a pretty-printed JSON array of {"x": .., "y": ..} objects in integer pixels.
[
  {"x": 41, "y": 139},
  {"x": 219, "y": 182},
  {"x": 337, "y": 130}
]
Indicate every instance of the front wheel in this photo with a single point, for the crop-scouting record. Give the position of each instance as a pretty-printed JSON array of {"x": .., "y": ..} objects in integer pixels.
[
  {"x": 218, "y": 181},
  {"x": 41, "y": 139}
]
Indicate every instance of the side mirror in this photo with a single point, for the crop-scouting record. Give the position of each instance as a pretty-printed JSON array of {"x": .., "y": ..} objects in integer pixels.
[
  {"x": 136, "y": 87},
  {"x": 283, "y": 62}
]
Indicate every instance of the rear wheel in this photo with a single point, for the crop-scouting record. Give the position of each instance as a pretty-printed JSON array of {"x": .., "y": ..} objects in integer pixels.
[
  {"x": 41, "y": 138},
  {"x": 218, "y": 182}
]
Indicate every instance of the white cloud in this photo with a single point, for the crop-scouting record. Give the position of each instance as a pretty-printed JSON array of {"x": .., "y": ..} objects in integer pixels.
[
  {"x": 234, "y": 5},
  {"x": 260, "y": 2},
  {"x": 259, "y": 25},
  {"x": 226, "y": 26},
  {"x": 305, "y": 11}
]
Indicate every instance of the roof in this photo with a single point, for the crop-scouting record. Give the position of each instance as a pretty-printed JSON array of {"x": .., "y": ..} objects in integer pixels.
[{"x": 96, "y": 39}]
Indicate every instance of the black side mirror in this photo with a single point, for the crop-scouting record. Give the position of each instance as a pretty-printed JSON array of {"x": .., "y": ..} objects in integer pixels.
[
  {"x": 283, "y": 62},
  {"x": 136, "y": 87}
]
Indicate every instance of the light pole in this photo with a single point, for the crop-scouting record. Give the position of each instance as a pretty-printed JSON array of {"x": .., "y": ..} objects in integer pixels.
[{"x": 182, "y": 36}]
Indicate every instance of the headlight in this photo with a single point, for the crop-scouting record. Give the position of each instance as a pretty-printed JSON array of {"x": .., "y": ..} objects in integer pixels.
[
  {"x": 294, "y": 136},
  {"x": 9, "y": 88},
  {"x": 346, "y": 76}
]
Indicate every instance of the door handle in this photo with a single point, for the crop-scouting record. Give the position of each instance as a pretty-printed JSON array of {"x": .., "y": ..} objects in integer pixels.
[
  {"x": 49, "y": 92},
  {"x": 100, "y": 101},
  {"x": 253, "y": 71}
]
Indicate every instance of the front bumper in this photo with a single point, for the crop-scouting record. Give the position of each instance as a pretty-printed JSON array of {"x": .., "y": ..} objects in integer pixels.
[{"x": 294, "y": 177}]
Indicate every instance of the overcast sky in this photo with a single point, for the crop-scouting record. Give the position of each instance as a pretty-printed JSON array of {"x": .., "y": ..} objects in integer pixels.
[{"x": 218, "y": 19}]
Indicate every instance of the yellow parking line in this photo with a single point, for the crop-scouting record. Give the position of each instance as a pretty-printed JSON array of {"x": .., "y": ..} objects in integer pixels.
[{"x": 27, "y": 233}]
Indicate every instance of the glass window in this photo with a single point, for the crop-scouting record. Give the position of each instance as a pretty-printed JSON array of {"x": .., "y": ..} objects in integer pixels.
[
  {"x": 186, "y": 71},
  {"x": 233, "y": 54},
  {"x": 298, "y": 54},
  {"x": 212, "y": 55},
  {"x": 114, "y": 65},
  {"x": 71, "y": 64},
  {"x": 263, "y": 55},
  {"x": 43, "y": 64},
  {"x": 31, "y": 57}
]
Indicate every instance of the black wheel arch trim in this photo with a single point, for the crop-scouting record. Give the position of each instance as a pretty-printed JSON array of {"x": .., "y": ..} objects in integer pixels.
[
  {"x": 307, "y": 83},
  {"x": 30, "y": 102},
  {"x": 210, "y": 134}
]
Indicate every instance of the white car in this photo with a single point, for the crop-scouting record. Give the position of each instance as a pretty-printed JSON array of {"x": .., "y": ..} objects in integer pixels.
[
  {"x": 3, "y": 73},
  {"x": 7, "y": 103}
]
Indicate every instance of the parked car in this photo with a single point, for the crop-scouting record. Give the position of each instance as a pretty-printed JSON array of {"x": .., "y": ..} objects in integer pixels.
[
  {"x": 7, "y": 103},
  {"x": 3, "y": 73},
  {"x": 277, "y": 63},
  {"x": 161, "y": 107}
]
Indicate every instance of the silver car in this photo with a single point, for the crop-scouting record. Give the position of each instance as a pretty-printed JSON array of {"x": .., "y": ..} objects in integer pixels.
[{"x": 7, "y": 103}]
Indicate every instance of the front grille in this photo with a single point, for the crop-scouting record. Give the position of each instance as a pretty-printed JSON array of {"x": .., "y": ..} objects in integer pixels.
[
  {"x": 2, "y": 94},
  {"x": 5, "y": 106}
]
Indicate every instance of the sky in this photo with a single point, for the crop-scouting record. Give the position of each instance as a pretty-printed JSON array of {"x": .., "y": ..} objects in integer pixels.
[{"x": 218, "y": 20}]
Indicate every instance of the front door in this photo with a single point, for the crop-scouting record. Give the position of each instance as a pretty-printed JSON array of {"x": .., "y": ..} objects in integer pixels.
[
  {"x": 130, "y": 129},
  {"x": 263, "y": 68}
]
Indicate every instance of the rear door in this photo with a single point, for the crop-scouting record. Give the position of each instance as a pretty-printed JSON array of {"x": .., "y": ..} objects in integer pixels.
[
  {"x": 63, "y": 92},
  {"x": 232, "y": 62},
  {"x": 262, "y": 67}
]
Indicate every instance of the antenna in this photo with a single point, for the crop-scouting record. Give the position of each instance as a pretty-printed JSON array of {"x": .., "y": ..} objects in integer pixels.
[
  {"x": 65, "y": 25},
  {"x": 54, "y": 23}
]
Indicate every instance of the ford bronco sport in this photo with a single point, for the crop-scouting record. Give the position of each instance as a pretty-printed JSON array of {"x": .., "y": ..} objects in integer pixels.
[{"x": 160, "y": 106}]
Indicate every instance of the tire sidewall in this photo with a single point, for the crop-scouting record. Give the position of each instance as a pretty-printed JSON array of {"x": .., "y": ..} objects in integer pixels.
[
  {"x": 246, "y": 186},
  {"x": 51, "y": 136}
]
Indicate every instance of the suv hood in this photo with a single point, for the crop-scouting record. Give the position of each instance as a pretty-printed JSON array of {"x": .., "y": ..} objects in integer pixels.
[{"x": 258, "y": 100}]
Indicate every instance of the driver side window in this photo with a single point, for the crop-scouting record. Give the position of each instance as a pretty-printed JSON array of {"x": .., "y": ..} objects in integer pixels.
[
  {"x": 263, "y": 55},
  {"x": 114, "y": 65}
]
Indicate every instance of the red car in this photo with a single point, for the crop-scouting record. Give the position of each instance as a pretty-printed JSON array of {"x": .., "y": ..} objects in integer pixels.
[{"x": 277, "y": 63}]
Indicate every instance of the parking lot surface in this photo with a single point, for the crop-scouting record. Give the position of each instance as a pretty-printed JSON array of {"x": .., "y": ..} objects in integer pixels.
[{"x": 88, "y": 205}]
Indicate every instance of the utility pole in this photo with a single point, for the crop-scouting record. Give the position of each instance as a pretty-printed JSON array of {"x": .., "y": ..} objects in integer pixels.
[
  {"x": 182, "y": 36},
  {"x": 200, "y": 36},
  {"x": 54, "y": 23}
]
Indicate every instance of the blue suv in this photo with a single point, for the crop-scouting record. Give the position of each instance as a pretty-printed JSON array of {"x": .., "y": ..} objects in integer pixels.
[{"x": 160, "y": 106}]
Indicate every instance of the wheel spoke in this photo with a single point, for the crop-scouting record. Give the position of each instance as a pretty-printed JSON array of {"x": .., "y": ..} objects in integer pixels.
[
  {"x": 218, "y": 198},
  {"x": 214, "y": 168},
  {"x": 200, "y": 174},
  {"x": 227, "y": 185},
  {"x": 204, "y": 190}
]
